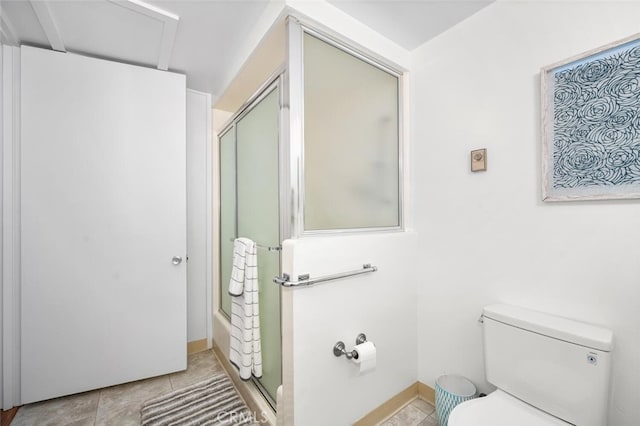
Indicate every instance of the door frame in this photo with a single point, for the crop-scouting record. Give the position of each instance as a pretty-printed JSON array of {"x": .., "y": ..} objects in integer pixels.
[
  {"x": 207, "y": 187},
  {"x": 10, "y": 297}
]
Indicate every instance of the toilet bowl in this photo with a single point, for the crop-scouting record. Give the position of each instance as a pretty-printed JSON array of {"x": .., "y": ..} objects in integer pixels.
[{"x": 500, "y": 409}]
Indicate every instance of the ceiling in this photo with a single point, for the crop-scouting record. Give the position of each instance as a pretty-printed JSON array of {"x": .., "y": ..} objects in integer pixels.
[
  {"x": 200, "y": 38},
  {"x": 410, "y": 23},
  {"x": 207, "y": 33}
]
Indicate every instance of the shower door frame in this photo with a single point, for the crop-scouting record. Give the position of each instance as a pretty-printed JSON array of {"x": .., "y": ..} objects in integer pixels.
[{"x": 275, "y": 82}]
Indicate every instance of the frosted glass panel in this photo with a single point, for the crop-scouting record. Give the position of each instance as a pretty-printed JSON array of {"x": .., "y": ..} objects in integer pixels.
[
  {"x": 258, "y": 219},
  {"x": 350, "y": 141},
  {"x": 227, "y": 215}
]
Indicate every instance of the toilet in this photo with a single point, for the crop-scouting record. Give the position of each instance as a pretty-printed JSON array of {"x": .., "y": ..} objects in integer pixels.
[{"x": 548, "y": 370}]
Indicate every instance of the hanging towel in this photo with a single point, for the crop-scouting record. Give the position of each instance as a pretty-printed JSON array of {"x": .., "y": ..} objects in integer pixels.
[
  {"x": 245, "y": 351},
  {"x": 236, "y": 283}
]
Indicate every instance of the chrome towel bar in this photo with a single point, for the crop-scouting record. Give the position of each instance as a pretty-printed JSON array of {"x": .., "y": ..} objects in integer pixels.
[
  {"x": 269, "y": 248},
  {"x": 261, "y": 247},
  {"x": 305, "y": 280}
]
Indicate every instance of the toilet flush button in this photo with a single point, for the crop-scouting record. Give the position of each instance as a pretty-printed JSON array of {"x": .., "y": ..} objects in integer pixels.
[{"x": 592, "y": 358}]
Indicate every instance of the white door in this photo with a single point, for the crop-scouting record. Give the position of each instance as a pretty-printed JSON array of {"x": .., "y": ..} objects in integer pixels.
[{"x": 103, "y": 213}]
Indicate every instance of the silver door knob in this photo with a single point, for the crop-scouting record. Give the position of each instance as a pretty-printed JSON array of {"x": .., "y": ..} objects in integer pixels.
[{"x": 176, "y": 260}]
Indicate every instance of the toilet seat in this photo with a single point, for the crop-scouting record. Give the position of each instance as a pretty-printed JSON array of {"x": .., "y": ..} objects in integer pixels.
[{"x": 500, "y": 409}]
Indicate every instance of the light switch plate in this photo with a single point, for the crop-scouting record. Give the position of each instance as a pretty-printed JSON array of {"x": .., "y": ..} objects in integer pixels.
[{"x": 479, "y": 160}]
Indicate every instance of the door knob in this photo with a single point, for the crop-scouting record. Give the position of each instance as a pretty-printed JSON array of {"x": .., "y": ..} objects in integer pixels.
[{"x": 176, "y": 260}]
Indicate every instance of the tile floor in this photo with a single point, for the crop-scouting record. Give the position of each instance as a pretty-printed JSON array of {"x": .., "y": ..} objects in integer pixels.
[
  {"x": 117, "y": 405},
  {"x": 416, "y": 413},
  {"x": 120, "y": 405}
]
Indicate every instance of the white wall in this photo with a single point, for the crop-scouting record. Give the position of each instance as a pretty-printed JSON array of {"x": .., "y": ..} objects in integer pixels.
[
  {"x": 252, "y": 41},
  {"x": 487, "y": 237},
  {"x": 329, "y": 390},
  {"x": 199, "y": 284}
]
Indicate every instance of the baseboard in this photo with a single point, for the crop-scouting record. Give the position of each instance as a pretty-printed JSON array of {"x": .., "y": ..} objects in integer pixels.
[
  {"x": 388, "y": 408},
  {"x": 427, "y": 393},
  {"x": 196, "y": 346}
]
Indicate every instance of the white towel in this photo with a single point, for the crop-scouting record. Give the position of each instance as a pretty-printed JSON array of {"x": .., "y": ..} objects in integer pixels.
[
  {"x": 236, "y": 283},
  {"x": 245, "y": 351}
]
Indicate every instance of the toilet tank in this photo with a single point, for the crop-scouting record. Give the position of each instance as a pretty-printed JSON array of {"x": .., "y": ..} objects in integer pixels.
[{"x": 558, "y": 365}]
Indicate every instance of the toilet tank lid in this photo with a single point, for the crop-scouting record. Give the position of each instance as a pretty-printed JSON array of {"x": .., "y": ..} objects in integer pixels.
[{"x": 569, "y": 330}]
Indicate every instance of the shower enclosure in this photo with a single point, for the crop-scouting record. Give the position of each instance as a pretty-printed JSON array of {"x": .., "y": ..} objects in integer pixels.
[
  {"x": 315, "y": 150},
  {"x": 249, "y": 200}
]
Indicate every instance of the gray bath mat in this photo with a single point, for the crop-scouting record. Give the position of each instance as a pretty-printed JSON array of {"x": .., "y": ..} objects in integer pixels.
[{"x": 212, "y": 402}]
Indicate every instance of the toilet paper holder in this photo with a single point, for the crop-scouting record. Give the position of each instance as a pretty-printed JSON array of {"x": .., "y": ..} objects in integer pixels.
[{"x": 339, "y": 348}]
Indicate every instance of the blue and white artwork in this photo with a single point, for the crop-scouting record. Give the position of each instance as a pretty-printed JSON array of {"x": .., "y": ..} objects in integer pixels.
[{"x": 592, "y": 126}]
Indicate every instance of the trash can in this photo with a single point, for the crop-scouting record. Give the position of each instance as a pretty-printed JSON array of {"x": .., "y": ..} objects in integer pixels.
[{"x": 451, "y": 390}]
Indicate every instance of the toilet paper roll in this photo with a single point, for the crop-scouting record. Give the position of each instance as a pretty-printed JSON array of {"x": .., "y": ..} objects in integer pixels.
[{"x": 366, "y": 356}]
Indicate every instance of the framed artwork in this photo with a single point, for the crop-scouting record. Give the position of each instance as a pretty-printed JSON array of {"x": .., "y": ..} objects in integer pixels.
[{"x": 591, "y": 125}]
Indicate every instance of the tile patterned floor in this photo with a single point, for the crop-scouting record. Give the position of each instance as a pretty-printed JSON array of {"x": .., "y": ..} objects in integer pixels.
[
  {"x": 416, "y": 413},
  {"x": 117, "y": 405},
  {"x": 120, "y": 405}
]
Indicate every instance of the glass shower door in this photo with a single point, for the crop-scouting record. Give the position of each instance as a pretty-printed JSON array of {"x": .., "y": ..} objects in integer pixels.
[{"x": 257, "y": 203}]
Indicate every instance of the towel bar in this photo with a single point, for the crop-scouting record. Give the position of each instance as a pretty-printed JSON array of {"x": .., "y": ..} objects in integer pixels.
[
  {"x": 269, "y": 248},
  {"x": 305, "y": 280},
  {"x": 260, "y": 246}
]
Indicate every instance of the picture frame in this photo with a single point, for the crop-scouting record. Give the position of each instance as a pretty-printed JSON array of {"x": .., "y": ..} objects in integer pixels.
[{"x": 591, "y": 124}]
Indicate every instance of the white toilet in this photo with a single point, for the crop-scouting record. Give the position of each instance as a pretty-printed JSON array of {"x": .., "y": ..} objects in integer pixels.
[{"x": 548, "y": 370}]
